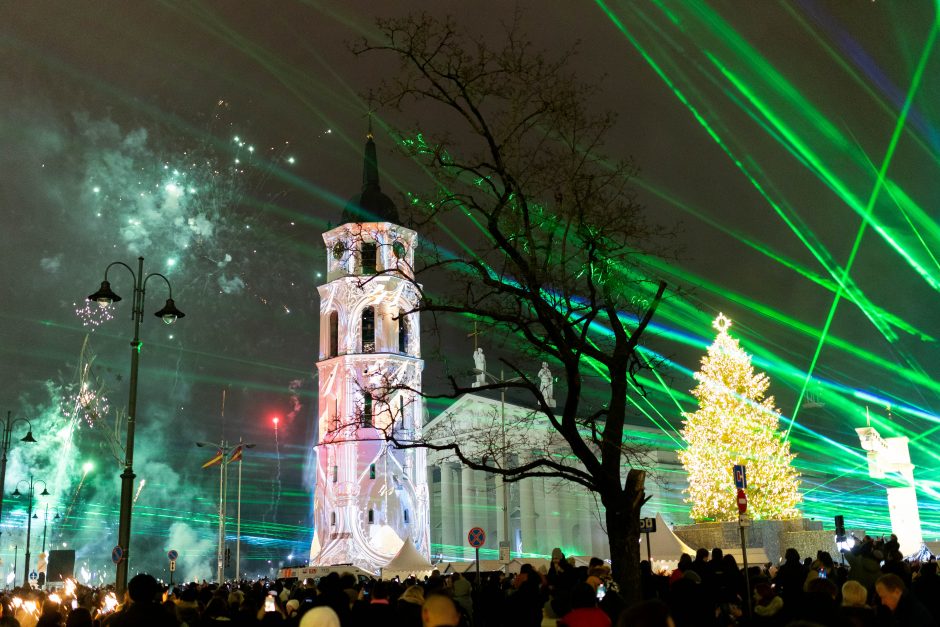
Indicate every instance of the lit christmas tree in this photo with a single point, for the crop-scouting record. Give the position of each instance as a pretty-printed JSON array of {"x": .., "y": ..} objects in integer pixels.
[{"x": 736, "y": 424}]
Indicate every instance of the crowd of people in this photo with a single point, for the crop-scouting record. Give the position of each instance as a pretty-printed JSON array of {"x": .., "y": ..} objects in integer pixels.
[{"x": 875, "y": 587}]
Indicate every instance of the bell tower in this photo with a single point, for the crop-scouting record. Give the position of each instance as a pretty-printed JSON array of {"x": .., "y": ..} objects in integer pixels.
[{"x": 370, "y": 495}]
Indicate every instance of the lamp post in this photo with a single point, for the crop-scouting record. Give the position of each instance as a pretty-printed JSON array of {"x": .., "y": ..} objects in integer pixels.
[
  {"x": 224, "y": 449},
  {"x": 505, "y": 456},
  {"x": 29, "y": 515},
  {"x": 7, "y": 436},
  {"x": 45, "y": 525},
  {"x": 169, "y": 314}
]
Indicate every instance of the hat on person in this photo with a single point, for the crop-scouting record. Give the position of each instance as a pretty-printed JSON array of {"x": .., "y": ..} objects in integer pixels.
[
  {"x": 292, "y": 606},
  {"x": 322, "y": 616}
]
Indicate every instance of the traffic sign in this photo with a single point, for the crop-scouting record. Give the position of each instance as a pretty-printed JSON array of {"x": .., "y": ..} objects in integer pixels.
[
  {"x": 172, "y": 555},
  {"x": 33, "y": 575},
  {"x": 742, "y": 502},
  {"x": 172, "y": 565},
  {"x": 647, "y": 525},
  {"x": 740, "y": 478},
  {"x": 117, "y": 554},
  {"x": 476, "y": 537}
]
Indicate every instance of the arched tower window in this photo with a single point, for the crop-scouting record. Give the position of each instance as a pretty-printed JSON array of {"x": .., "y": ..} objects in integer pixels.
[
  {"x": 368, "y": 330},
  {"x": 334, "y": 334},
  {"x": 404, "y": 331},
  {"x": 405, "y": 411},
  {"x": 369, "y": 258},
  {"x": 366, "y": 409}
]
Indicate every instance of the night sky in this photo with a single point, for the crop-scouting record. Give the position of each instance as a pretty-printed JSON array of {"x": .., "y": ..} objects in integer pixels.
[{"x": 795, "y": 144}]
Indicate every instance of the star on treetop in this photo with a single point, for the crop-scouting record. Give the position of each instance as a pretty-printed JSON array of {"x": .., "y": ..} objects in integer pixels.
[{"x": 722, "y": 323}]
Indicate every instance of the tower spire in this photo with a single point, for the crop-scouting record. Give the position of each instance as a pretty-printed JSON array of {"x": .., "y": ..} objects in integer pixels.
[{"x": 370, "y": 164}]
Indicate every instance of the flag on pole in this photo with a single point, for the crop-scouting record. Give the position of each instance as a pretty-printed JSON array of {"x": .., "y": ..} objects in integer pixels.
[
  {"x": 236, "y": 454},
  {"x": 215, "y": 461}
]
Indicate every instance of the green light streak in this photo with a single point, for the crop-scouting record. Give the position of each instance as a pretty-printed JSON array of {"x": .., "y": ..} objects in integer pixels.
[{"x": 869, "y": 209}]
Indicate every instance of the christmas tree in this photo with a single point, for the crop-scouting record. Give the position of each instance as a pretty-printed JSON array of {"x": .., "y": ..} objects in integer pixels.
[{"x": 736, "y": 424}]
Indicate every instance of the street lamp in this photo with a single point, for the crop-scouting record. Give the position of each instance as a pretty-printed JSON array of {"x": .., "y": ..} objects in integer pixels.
[
  {"x": 45, "y": 525},
  {"x": 224, "y": 458},
  {"x": 7, "y": 436},
  {"x": 29, "y": 515},
  {"x": 505, "y": 457},
  {"x": 169, "y": 314}
]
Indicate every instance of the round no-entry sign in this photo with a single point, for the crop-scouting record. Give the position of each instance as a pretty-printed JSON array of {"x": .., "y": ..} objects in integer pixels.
[
  {"x": 742, "y": 502},
  {"x": 476, "y": 537}
]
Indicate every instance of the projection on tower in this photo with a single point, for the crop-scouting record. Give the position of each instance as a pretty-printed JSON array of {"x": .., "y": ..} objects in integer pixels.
[{"x": 370, "y": 496}]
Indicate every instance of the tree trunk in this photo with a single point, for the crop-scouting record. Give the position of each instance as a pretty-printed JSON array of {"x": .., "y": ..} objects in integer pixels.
[{"x": 623, "y": 533}]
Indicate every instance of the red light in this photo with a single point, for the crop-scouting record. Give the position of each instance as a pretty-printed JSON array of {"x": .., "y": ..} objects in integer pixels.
[{"x": 276, "y": 419}]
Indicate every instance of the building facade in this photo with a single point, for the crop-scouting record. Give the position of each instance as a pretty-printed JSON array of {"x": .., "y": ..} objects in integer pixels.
[
  {"x": 543, "y": 512},
  {"x": 370, "y": 495}
]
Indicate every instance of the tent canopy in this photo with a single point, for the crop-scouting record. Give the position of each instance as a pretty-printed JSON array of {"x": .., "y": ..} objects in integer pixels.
[{"x": 407, "y": 562}]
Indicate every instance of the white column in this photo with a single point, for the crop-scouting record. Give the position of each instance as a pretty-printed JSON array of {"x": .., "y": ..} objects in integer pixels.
[
  {"x": 538, "y": 490},
  {"x": 468, "y": 506},
  {"x": 453, "y": 516},
  {"x": 448, "y": 506},
  {"x": 553, "y": 535},
  {"x": 501, "y": 532},
  {"x": 527, "y": 514},
  {"x": 585, "y": 522}
]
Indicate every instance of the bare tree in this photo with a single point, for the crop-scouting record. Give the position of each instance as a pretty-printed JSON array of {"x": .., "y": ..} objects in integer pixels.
[{"x": 512, "y": 144}]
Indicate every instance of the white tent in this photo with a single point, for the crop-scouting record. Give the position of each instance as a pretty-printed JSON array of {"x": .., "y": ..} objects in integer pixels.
[
  {"x": 407, "y": 562},
  {"x": 664, "y": 544}
]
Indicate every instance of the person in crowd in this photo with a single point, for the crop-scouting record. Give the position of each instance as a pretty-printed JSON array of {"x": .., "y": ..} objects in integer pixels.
[
  {"x": 216, "y": 613},
  {"x": 768, "y": 605},
  {"x": 50, "y": 616},
  {"x": 7, "y": 619},
  {"x": 439, "y": 611},
  {"x": 895, "y": 563},
  {"x": 376, "y": 609},
  {"x": 561, "y": 578},
  {"x": 700, "y": 563},
  {"x": 898, "y": 606},
  {"x": 790, "y": 577},
  {"x": 864, "y": 563},
  {"x": 462, "y": 590},
  {"x": 79, "y": 617},
  {"x": 652, "y": 586},
  {"x": 524, "y": 602},
  {"x": 652, "y": 613},
  {"x": 584, "y": 610},
  {"x": 685, "y": 563},
  {"x": 855, "y": 611},
  {"x": 818, "y": 603},
  {"x": 141, "y": 608},
  {"x": 927, "y": 588},
  {"x": 408, "y": 607},
  {"x": 689, "y": 600},
  {"x": 322, "y": 616},
  {"x": 333, "y": 595},
  {"x": 187, "y": 607},
  {"x": 731, "y": 581}
]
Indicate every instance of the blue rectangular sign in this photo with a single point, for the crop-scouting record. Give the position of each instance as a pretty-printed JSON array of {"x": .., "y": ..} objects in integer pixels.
[{"x": 740, "y": 478}]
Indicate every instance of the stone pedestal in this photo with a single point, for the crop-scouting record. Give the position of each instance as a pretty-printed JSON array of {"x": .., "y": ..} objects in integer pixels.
[{"x": 773, "y": 536}]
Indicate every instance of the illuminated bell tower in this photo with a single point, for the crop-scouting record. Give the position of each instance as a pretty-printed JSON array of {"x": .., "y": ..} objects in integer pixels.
[{"x": 370, "y": 495}]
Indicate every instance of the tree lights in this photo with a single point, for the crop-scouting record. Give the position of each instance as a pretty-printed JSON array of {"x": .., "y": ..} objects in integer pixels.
[{"x": 736, "y": 424}]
